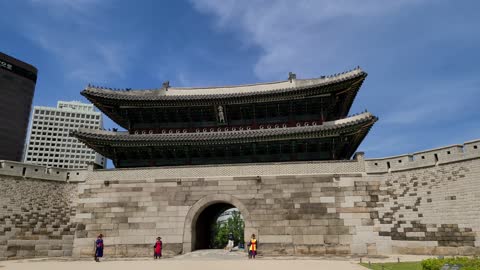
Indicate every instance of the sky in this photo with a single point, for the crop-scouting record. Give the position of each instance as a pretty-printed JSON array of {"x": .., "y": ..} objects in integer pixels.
[{"x": 422, "y": 56}]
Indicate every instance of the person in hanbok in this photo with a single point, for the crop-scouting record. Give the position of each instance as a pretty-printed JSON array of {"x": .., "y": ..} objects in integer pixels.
[
  {"x": 157, "y": 249},
  {"x": 252, "y": 247},
  {"x": 99, "y": 248}
]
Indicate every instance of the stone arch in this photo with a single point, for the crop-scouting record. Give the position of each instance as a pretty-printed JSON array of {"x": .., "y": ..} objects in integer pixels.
[{"x": 196, "y": 209}]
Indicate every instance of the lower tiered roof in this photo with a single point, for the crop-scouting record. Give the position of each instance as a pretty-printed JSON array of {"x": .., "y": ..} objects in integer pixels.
[{"x": 345, "y": 135}]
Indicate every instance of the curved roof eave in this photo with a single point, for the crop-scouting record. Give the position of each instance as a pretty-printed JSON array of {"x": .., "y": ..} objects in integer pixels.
[
  {"x": 93, "y": 92},
  {"x": 89, "y": 136}
]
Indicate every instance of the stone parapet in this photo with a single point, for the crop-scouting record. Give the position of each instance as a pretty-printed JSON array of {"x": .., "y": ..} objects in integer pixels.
[
  {"x": 427, "y": 158},
  {"x": 234, "y": 170},
  {"x": 32, "y": 171}
]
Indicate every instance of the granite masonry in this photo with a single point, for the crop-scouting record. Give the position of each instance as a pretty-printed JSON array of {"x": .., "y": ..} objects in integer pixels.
[
  {"x": 424, "y": 203},
  {"x": 37, "y": 208}
]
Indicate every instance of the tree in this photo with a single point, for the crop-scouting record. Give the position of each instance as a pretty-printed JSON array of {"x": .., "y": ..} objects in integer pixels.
[{"x": 235, "y": 225}]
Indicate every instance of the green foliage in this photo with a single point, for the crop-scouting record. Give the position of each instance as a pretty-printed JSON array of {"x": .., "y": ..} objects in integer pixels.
[
  {"x": 428, "y": 264},
  {"x": 235, "y": 225},
  {"x": 466, "y": 263},
  {"x": 394, "y": 266}
]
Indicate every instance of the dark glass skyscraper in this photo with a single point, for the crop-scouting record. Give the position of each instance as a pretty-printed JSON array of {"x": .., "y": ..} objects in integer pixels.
[{"x": 17, "y": 85}]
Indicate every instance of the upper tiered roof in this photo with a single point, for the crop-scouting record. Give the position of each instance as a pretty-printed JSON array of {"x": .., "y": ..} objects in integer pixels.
[
  {"x": 338, "y": 92},
  {"x": 182, "y": 93}
]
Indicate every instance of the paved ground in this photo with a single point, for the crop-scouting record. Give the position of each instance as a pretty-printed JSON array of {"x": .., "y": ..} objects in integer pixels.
[{"x": 203, "y": 260}]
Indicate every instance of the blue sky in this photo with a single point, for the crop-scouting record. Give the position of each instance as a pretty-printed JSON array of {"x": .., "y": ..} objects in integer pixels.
[{"x": 422, "y": 56}]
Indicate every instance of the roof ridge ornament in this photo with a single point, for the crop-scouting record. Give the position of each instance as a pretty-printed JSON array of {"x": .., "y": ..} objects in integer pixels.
[
  {"x": 291, "y": 76},
  {"x": 166, "y": 85}
]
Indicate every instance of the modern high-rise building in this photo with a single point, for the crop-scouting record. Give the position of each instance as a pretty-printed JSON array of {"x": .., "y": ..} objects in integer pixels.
[
  {"x": 17, "y": 85},
  {"x": 50, "y": 143}
]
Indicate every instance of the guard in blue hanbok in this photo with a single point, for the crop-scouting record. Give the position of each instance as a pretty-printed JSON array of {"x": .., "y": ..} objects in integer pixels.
[{"x": 99, "y": 248}]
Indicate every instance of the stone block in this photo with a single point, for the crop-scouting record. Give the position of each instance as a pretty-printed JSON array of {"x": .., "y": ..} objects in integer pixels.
[
  {"x": 319, "y": 222},
  {"x": 313, "y": 239},
  {"x": 271, "y": 230},
  {"x": 333, "y": 250},
  {"x": 301, "y": 222},
  {"x": 372, "y": 249},
  {"x": 415, "y": 234},
  {"x": 25, "y": 254},
  {"x": 327, "y": 199},
  {"x": 149, "y": 225},
  {"x": 302, "y": 249},
  {"x": 42, "y": 247},
  {"x": 55, "y": 253},
  {"x": 297, "y": 239},
  {"x": 317, "y": 250},
  {"x": 331, "y": 239},
  {"x": 83, "y": 216},
  {"x": 468, "y": 251},
  {"x": 171, "y": 239},
  {"x": 411, "y": 250},
  {"x": 109, "y": 226},
  {"x": 132, "y": 239},
  {"x": 358, "y": 248},
  {"x": 345, "y": 239},
  {"x": 275, "y": 239},
  {"x": 41, "y": 253},
  {"x": 448, "y": 251},
  {"x": 331, "y": 210},
  {"x": 275, "y": 249}
]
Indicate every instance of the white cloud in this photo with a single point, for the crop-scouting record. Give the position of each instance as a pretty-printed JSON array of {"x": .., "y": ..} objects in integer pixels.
[
  {"x": 77, "y": 37},
  {"x": 298, "y": 35}
]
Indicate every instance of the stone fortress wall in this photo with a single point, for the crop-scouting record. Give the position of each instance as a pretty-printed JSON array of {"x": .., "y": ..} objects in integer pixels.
[
  {"x": 37, "y": 207},
  {"x": 428, "y": 202},
  {"x": 425, "y": 203}
]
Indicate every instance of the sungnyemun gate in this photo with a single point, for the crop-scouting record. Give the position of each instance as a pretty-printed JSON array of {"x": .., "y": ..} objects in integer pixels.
[{"x": 284, "y": 153}]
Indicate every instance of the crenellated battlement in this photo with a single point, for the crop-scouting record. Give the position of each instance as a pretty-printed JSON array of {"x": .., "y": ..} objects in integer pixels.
[
  {"x": 31, "y": 171},
  {"x": 427, "y": 158}
]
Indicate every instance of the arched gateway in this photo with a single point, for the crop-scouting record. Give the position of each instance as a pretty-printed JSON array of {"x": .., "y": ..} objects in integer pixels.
[
  {"x": 199, "y": 217},
  {"x": 208, "y": 142}
]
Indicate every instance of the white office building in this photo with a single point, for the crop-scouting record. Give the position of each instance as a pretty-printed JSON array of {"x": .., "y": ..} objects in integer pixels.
[{"x": 49, "y": 142}]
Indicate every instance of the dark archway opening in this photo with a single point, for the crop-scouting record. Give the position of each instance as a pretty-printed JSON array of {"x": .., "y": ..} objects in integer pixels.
[{"x": 204, "y": 229}]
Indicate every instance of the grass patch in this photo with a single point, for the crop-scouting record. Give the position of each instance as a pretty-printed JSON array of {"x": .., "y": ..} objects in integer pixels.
[{"x": 394, "y": 266}]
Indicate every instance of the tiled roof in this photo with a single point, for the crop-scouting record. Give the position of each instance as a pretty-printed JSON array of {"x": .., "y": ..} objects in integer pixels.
[
  {"x": 176, "y": 93},
  {"x": 327, "y": 128}
]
